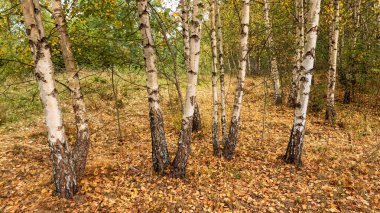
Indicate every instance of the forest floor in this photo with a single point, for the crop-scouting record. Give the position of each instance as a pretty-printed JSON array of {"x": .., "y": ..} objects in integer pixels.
[{"x": 340, "y": 171}]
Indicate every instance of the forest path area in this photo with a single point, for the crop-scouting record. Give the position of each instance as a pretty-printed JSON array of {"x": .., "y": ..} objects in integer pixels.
[{"x": 340, "y": 171}]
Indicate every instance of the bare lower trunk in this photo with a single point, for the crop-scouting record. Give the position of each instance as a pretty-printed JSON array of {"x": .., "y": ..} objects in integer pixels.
[
  {"x": 183, "y": 151},
  {"x": 81, "y": 146},
  {"x": 215, "y": 120},
  {"x": 274, "y": 67},
  {"x": 197, "y": 121},
  {"x": 230, "y": 146},
  {"x": 294, "y": 150},
  {"x": 160, "y": 155},
  {"x": 223, "y": 118},
  {"x": 63, "y": 171},
  {"x": 330, "y": 102},
  {"x": 299, "y": 53}
]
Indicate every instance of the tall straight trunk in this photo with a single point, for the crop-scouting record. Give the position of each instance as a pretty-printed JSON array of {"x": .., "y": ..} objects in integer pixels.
[
  {"x": 230, "y": 146},
  {"x": 300, "y": 31},
  {"x": 183, "y": 151},
  {"x": 160, "y": 155},
  {"x": 294, "y": 149},
  {"x": 81, "y": 146},
  {"x": 273, "y": 60},
  {"x": 197, "y": 122},
  {"x": 223, "y": 118},
  {"x": 215, "y": 120},
  {"x": 330, "y": 102},
  {"x": 63, "y": 172}
]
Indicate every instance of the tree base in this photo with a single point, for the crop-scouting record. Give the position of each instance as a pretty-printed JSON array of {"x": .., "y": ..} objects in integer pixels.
[
  {"x": 229, "y": 148},
  {"x": 197, "y": 122},
  {"x": 183, "y": 151},
  {"x": 294, "y": 149}
]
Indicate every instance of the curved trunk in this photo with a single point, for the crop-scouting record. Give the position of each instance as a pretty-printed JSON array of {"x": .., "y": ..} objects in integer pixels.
[
  {"x": 81, "y": 146},
  {"x": 330, "y": 112},
  {"x": 273, "y": 62},
  {"x": 230, "y": 146},
  {"x": 223, "y": 118},
  {"x": 294, "y": 149},
  {"x": 183, "y": 151},
  {"x": 215, "y": 121},
  {"x": 160, "y": 155},
  {"x": 299, "y": 53},
  {"x": 63, "y": 172}
]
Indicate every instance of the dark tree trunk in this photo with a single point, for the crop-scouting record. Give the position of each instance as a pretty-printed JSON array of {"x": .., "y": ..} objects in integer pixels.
[
  {"x": 197, "y": 122},
  {"x": 294, "y": 151},
  {"x": 230, "y": 146}
]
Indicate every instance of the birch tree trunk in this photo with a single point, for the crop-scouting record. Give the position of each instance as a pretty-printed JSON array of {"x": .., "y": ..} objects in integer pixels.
[
  {"x": 300, "y": 31},
  {"x": 215, "y": 120},
  {"x": 273, "y": 60},
  {"x": 223, "y": 118},
  {"x": 330, "y": 112},
  {"x": 63, "y": 172},
  {"x": 230, "y": 146},
  {"x": 81, "y": 146},
  {"x": 294, "y": 149},
  {"x": 160, "y": 155},
  {"x": 183, "y": 151}
]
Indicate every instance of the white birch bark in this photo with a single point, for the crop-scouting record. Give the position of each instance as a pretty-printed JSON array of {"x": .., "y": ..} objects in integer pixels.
[
  {"x": 330, "y": 103},
  {"x": 63, "y": 172},
  {"x": 81, "y": 146},
  {"x": 230, "y": 146},
  {"x": 223, "y": 118},
  {"x": 183, "y": 151},
  {"x": 160, "y": 155},
  {"x": 300, "y": 31},
  {"x": 215, "y": 120},
  {"x": 273, "y": 60},
  {"x": 294, "y": 149}
]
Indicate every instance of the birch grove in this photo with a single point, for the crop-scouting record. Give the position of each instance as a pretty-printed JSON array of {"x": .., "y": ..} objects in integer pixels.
[
  {"x": 230, "y": 145},
  {"x": 333, "y": 51},
  {"x": 273, "y": 59},
  {"x": 64, "y": 178},
  {"x": 183, "y": 151},
  {"x": 294, "y": 149},
  {"x": 160, "y": 155},
  {"x": 214, "y": 63},
  {"x": 81, "y": 146}
]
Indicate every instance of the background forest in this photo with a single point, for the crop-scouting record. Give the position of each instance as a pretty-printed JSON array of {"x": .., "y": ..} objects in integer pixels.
[{"x": 118, "y": 143}]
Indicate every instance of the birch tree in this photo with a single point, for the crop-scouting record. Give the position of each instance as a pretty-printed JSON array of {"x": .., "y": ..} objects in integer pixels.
[
  {"x": 230, "y": 145},
  {"x": 330, "y": 112},
  {"x": 64, "y": 178},
  {"x": 273, "y": 60},
  {"x": 294, "y": 149},
  {"x": 81, "y": 146},
  {"x": 223, "y": 118},
  {"x": 300, "y": 31},
  {"x": 160, "y": 155},
  {"x": 183, "y": 151},
  {"x": 215, "y": 121},
  {"x": 197, "y": 122}
]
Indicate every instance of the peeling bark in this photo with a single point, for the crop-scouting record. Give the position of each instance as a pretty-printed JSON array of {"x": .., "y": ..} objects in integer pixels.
[
  {"x": 81, "y": 146},
  {"x": 64, "y": 178},
  {"x": 273, "y": 62},
  {"x": 294, "y": 149},
  {"x": 230, "y": 146},
  {"x": 183, "y": 151},
  {"x": 160, "y": 155},
  {"x": 330, "y": 102}
]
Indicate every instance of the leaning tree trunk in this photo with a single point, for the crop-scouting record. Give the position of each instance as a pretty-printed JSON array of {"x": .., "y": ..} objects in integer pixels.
[
  {"x": 183, "y": 151},
  {"x": 197, "y": 122},
  {"x": 294, "y": 149},
  {"x": 63, "y": 172},
  {"x": 223, "y": 118},
  {"x": 230, "y": 146},
  {"x": 273, "y": 61},
  {"x": 160, "y": 155},
  {"x": 299, "y": 53},
  {"x": 330, "y": 112},
  {"x": 215, "y": 121},
  {"x": 81, "y": 146}
]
